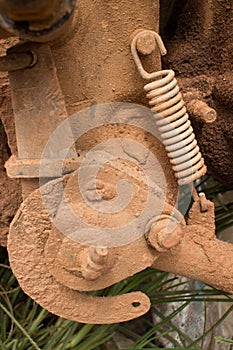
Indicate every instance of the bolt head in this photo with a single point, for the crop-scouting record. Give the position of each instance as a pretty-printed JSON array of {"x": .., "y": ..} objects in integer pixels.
[
  {"x": 146, "y": 44},
  {"x": 163, "y": 236}
]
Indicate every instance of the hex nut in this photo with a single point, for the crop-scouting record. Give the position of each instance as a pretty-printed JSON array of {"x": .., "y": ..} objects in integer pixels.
[{"x": 162, "y": 238}]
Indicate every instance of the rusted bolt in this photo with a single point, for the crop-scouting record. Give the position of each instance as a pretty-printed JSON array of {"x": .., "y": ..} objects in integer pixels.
[
  {"x": 94, "y": 263},
  {"x": 203, "y": 202},
  {"x": 146, "y": 43},
  {"x": 201, "y": 111},
  {"x": 164, "y": 234}
]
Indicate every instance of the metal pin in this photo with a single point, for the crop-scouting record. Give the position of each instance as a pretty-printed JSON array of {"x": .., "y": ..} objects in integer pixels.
[{"x": 203, "y": 202}]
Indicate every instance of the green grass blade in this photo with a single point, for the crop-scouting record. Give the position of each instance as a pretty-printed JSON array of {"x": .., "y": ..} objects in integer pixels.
[{"x": 20, "y": 327}]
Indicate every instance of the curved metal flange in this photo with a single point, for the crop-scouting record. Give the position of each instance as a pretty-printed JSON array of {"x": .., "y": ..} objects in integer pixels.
[
  {"x": 26, "y": 242},
  {"x": 64, "y": 260},
  {"x": 36, "y": 280},
  {"x": 33, "y": 249},
  {"x": 64, "y": 256}
]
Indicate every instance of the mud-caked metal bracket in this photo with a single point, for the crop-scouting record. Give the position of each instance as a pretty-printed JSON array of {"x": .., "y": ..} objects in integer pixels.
[
  {"x": 39, "y": 107},
  {"x": 56, "y": 270},
  {"x": 63, "y": 266}
]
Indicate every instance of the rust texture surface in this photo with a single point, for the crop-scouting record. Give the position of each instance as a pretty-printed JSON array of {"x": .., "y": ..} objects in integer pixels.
[
  {"x": 51, "y": 272},
  {"x": 29, "y": 234},
  {"x": 93, "y": 65},
  {"x": 38, "y": 105}
]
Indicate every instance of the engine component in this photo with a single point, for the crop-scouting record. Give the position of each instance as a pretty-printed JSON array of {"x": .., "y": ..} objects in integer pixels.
[{"x": 171, "y": 118}]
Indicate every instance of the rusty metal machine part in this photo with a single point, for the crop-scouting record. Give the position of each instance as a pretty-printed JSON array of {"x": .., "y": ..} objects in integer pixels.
[
  {"x": 52, "y": 268},
  {"x": 61, "y": 276},
  {"x": 171, "y": 118},
  {"x": 35, "y": 20},
  {"x": 49, "y": 102},
  {"x": 63, "y": 262},
  {"x": 53, "y": 295}
]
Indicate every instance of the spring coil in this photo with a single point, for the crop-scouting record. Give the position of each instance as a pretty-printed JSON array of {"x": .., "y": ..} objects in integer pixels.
[
  {"x": 171, "y": 118},
  {"x": 175, "y": 128}
]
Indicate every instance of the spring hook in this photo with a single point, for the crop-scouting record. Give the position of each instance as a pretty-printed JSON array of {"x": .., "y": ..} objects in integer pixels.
[{"x": 171, "y": 117}]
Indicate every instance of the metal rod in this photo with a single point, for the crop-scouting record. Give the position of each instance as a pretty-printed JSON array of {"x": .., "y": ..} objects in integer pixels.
[{"x": 16, "y": 61}]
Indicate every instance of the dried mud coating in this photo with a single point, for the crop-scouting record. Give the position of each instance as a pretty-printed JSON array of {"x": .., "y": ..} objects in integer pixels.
[
  {"x": 10, "y": 190},
  {"x": 10, "y": 193},
  {"x": 64, "y": 256},
  {"x": 201, "y": 52},
  {"x": 6, "y": 110},
  {"x": 200, "y": 245},
  {"x": 104, "y": 67},
  {"x": 28, "y": 235},
  {"x": 27, "y": 243},
  {"x": 85, "y": 70}
]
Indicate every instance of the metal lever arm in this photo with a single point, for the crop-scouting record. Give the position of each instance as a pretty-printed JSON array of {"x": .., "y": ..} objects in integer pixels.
[{"x": 201, "y": 255}]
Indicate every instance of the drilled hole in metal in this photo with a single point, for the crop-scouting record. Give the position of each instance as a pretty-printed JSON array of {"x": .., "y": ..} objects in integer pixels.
[{"x": 136, "y": 304}]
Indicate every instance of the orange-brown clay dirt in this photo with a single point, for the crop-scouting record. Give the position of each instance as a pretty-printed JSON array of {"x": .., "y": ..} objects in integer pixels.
[
  {"x": 96, "y": 66},
  {"x": 200, "y": 51}
]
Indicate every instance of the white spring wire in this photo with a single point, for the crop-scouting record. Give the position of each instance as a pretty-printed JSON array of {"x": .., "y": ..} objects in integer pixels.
[{"x": 172, "y": 120}]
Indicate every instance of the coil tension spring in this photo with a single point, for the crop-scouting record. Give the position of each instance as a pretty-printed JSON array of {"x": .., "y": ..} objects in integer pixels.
[{"x": 171, "y": 118}]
